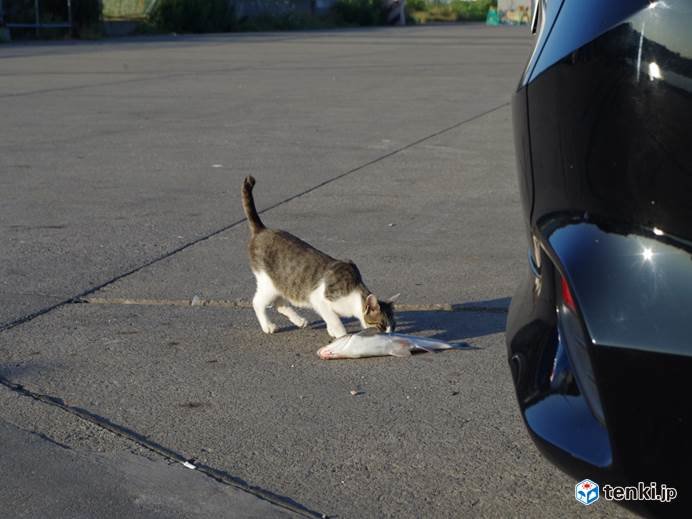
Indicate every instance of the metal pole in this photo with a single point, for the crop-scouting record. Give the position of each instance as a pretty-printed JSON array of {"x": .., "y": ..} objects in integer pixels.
[
  {"x": 38, "y": 17},
  {"x": 69, "y": 17}
]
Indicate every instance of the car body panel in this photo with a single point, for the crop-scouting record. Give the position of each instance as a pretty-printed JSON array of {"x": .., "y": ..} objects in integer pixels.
[
  {"x": 648, "y": 283},
  {"x": 607, "y": 135},
  {"x": 602, "y": 119}
]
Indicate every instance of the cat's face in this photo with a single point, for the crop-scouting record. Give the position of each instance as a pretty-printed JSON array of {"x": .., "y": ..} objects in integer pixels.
[{"x": 379, "y": 314}]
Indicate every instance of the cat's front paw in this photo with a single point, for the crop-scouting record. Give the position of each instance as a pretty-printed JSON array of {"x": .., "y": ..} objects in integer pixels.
[
  {"x": 335, "y": 334},
  {"x": 270, "y": 328},
  {"x": 301, "y": 322}
]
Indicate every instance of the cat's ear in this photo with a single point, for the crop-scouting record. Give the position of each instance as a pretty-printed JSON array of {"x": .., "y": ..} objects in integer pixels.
[
  {"x": 394, "y": 297},
  {"x": 371, "y": 304}
]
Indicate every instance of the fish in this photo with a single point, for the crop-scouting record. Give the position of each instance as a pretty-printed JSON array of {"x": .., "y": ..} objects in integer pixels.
[{"x": 370, "y": 343}]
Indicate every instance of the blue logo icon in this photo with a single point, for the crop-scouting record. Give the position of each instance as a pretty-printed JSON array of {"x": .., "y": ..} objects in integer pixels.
[{"x": 586, "y": 492}]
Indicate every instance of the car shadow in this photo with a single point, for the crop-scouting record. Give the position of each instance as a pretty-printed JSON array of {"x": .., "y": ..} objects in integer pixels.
[
  {"x": 453, "y": 327},
  {"x": 500, "y": 303},
  {"x": 12, "y": 372}
]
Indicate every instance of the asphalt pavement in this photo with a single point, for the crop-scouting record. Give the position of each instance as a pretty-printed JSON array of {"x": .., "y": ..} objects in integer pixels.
[{"x": 121, "y": 163}]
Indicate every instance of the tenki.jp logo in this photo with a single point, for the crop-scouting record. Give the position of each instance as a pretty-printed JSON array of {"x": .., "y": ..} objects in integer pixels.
[{"x": 586, "y": 492}]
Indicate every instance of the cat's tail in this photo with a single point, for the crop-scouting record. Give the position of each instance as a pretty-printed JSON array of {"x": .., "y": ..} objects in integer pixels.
[{"x": 253, "y": 218}]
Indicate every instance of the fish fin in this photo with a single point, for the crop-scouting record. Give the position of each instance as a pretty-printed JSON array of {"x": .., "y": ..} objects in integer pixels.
[
  {"x": 401, "y": 348},
  {"x": 368, "y": 332},
  {"x": 425, "y": 343}
]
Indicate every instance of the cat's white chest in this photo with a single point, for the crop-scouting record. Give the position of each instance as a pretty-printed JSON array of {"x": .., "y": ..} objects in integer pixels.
[{"x": 349, "y": 306}]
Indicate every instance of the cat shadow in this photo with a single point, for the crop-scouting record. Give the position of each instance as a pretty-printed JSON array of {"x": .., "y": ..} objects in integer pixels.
[{"x": 464, "y": 322}]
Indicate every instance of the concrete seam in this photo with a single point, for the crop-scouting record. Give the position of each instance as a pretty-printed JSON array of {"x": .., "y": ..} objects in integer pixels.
[
  {"x": 181, "y": 248},
  {"x": 112, "y": 83},
  {"x": 247, "y": 305},
  {"x": 141, "y": 77}
]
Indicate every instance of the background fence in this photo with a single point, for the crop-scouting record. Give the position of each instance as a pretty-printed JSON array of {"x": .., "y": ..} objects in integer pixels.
[
  {"x": 37, "y": 14},
  {"x": 127, "y": 9}
]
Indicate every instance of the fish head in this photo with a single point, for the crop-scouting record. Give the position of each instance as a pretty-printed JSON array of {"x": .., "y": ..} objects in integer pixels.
[{"x": 335, "y": 349}]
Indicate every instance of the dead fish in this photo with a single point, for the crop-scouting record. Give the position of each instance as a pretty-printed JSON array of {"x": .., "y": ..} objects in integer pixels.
[{"x": 370, "y": 343}]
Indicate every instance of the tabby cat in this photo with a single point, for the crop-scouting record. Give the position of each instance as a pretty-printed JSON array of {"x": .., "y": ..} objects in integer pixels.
[{"x": 291, "y": 272}]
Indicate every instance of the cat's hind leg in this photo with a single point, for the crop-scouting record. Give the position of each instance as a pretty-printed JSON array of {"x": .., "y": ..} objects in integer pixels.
[
  {"x": 285, "y": 309},
  {"x": 266, "y": 294}
]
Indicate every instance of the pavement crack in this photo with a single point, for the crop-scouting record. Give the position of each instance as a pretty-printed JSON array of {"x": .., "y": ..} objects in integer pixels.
[
  {"x": 143, "y": 441},
  {"x": 385, "y": 156},
  {"x": 94, "y": 289},
  {"x": 140, "y": 78}
]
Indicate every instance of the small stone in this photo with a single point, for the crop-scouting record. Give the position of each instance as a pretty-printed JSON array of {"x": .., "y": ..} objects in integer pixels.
[{"x": 196, "y": 301}]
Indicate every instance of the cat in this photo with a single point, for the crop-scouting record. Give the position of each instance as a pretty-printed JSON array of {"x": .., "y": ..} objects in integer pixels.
[{"x": 292, "y": 272}]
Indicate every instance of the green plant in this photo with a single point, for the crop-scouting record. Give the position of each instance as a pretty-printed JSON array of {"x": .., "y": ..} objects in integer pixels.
[
  {"x": 126, "y": 9},
  {"x": 424, "y": 11},
  {"x": 284, "y": 22},
  {"x": 193, "y": 16},
  {"x": 416, "y": 5},
  {"x": 472, "y": 11},
  {"x": 359, "y": 12}
]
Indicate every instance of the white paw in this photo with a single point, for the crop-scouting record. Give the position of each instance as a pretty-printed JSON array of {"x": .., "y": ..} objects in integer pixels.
[
  {"x": 336, "y": 333},
  {"x": 301, "y": 323},
  {"x": 270, "y": 328}
]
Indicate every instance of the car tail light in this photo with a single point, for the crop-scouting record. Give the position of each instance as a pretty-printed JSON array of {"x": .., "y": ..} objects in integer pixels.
[
  {"x": 572, "y": 335},
  {"x": 567, "y": 296}
]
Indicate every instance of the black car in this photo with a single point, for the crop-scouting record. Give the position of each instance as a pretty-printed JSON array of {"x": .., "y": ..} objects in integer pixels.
[{"x": 599, "y": 333}]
